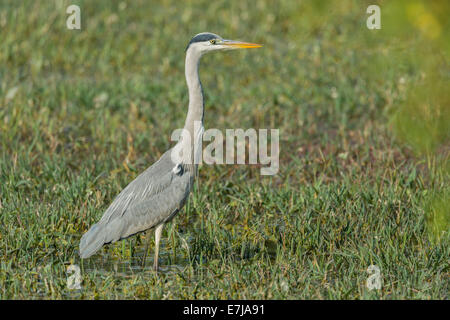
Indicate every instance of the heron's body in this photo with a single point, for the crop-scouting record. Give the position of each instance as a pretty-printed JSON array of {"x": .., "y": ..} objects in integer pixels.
[
  {"x": 157, "y": 194},
  {"x": 143, "y": 204}
]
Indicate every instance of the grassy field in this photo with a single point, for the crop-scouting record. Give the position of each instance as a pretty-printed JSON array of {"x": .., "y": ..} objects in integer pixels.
[{"x": 364, "y": 130}]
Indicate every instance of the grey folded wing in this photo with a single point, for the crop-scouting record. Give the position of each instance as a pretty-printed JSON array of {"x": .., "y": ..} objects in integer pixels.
[{"x": 155, "y": 196}]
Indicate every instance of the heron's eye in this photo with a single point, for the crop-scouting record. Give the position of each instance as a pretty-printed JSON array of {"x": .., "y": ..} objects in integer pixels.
[{"x": 212, "y": 41}]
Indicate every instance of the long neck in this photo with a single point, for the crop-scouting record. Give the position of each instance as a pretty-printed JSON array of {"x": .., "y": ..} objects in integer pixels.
[{"x": 195, "y": 112}]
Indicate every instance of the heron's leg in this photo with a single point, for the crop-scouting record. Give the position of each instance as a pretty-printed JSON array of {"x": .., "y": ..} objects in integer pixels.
[
  {"x": 158, "y": 232},
  {"x": 148, "y": 238}
]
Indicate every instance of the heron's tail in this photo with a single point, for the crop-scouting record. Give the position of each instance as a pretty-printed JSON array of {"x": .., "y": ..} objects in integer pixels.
[
  {"x": 99, "y": 234},
  {"x": 92, "y": 240}
]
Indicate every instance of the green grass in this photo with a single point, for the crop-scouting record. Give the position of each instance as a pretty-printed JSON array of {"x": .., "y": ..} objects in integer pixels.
[{"x": 82, "y": 113}]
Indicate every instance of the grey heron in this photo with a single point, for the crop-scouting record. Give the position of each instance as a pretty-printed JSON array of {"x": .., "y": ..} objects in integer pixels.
[{"x": 158, "y": 193}]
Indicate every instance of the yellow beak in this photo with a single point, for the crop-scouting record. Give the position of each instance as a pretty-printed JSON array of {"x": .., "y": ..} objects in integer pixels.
[{"x": 239, "y": 44}]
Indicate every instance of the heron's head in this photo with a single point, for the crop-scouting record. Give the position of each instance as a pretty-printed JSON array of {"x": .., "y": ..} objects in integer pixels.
[{"x": 206, "y": 41}]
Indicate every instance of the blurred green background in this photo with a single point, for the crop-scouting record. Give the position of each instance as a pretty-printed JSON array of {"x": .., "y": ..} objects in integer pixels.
[{"x": 364, "y": 130}]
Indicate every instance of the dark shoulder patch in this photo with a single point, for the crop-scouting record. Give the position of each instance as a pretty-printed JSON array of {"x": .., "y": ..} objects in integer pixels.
[{"x": 202, "y": 37}]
